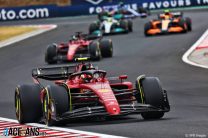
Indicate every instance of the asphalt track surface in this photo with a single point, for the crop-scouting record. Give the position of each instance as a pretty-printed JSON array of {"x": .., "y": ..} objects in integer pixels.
[{"x": 134, "y": 54}]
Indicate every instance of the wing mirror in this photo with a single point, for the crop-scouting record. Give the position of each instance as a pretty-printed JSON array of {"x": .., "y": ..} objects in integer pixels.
[{"x": 122, "y": 77}]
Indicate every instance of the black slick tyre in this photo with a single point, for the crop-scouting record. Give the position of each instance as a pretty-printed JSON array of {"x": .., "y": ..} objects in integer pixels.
[
  {"x": 51, "y": 54},
  {"x": 124, "y": 25},
  {"x": 28, "y": 104},
  {"x": 152, "y": 93},
  {"x": 130, "y": 25},
  {"x": 94, "y": 51},
  {"x": 182, "y": 24},
  {"x": 55, "y": 98},
  {"x": 147, "y": 27},
  {"x": 106, "y": 47},
  {"x": 188, "y": 23}
]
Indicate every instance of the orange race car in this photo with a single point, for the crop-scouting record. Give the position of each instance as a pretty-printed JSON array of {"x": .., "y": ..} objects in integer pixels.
[{"x": 168, "y": 22}]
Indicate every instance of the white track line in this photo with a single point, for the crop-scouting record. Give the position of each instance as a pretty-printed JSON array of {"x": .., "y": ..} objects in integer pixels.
[
  {"x": 193, "y": 47},
  {"x": 27, "y": 35},
  {"x": 64, "y": 129}
]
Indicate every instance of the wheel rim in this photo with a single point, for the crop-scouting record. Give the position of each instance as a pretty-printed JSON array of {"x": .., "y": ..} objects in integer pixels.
[
  {"x": 111, "y": 48},
  {"x": 45, "y": 105},
  {"x": 17, "y": 105},
  {"x": 98, "y": 52},
  {"x": 47, "y": 110}
]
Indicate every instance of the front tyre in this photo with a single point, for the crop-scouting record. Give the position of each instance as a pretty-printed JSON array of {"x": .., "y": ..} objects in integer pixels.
[
  {"x": 56, "y": 101},
  {"x": 147, "y": 27},
  {"x": 182, "y": 24},
  {"x": 130, "y": 25},
  {"x": 94, "y": 51},
  {"x": 188, "y": 23},
  {"x": 124, "y": 25},
  {"x": 28, "y": 104},
  {"x": 152, "y": 93}
]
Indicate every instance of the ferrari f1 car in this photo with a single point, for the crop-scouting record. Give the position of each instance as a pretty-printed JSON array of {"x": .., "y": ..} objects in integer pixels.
[
  {"x": 80, "y": 45},
  {"x": 168, "y": 23},
  {"x": 83, "y": 91}
]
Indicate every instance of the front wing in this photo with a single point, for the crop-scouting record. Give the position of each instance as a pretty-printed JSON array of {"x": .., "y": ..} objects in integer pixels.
[
  {"x": 101, "y": 111},
  {"x": 169, "y": 30},
  {"x": 113, "y": 31}
]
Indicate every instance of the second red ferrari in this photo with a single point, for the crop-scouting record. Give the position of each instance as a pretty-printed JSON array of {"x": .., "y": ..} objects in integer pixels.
[{"x": 80, "y": 45}]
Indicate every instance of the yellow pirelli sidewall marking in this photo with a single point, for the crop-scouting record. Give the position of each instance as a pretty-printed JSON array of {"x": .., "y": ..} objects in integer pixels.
[
  {"x": 18, "y": 108},
  {"x": 141, "y": 92},
  {"x": 70, "y": 98},
  {"x": 47, "y": 93}
]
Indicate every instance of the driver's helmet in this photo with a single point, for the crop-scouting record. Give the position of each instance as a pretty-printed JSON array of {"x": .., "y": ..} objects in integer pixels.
[
  {"x": 86, "y": 78},
  {"x": 79, "y": 34},
  {"x": 111, "y": 9},
  {"x": 167, "y": 12},
  {"x": 121, "y": 4},
  {"x": 110, "y": 19},
  {"x": 74, "y": 37},
  {"x": 91, "y": 66}
]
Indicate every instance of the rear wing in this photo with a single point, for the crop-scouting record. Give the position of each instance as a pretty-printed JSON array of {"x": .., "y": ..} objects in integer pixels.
[
  {"x": 80, "y": 35},
  {"x": 177, "y": 14},
  {"x": 53, "y": 73}
]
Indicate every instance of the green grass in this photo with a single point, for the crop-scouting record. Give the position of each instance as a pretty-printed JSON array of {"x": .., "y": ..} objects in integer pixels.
[{"x": 7, "y": 32}]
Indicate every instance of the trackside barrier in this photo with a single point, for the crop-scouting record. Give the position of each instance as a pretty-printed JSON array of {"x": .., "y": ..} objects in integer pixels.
[{"x": 86, "y": 7}]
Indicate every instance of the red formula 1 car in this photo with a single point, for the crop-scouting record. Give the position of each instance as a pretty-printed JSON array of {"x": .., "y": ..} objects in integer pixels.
[
  {"x": 80, "y": 45},
  {"x": 168, "y": 23},
  {"x": 83, "y": 91}
]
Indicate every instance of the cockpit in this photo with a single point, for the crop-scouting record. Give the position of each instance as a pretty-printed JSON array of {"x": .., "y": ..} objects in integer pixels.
[{"x": 89, "y": 76}]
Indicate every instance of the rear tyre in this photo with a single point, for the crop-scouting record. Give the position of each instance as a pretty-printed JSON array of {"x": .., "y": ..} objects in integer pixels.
[
  {"x": 106, "y": 47},
  {"x": 151, "y": 93},
  {"x": 130, "y": 26},
  {"x": 28, "y": 104},
  {"x": 188, "y": 23},
  {"x": 124, "y": 25},
  {"x": 51, "y": 54},
  {"x": 94, "y": 50},
  {"x": 147, "y": 27},
  {"x": 56, "y": 98},
  {"x": 93, "y": 27}
]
